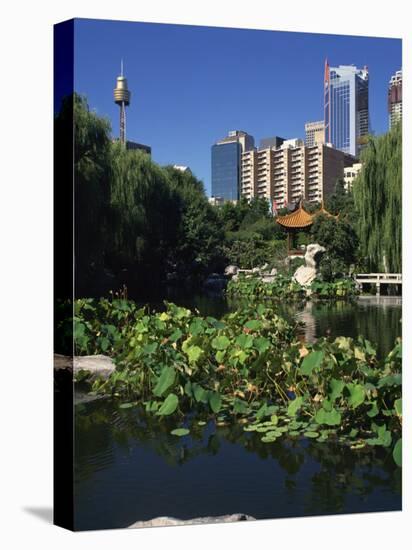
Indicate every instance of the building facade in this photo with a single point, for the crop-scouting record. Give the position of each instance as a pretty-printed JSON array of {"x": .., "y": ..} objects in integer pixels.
[
  {"x": 133, "y": 146},
  {"x": 292, "y": 172},
  {"x": 346, "y": 107},
  {"x": 395, "y": 98},
  {"x": 314, "y": 133},
  {"x": 226, "y": 164},
  {"x": 349, "y": 175},
  {"x": 275, "y": 141}
]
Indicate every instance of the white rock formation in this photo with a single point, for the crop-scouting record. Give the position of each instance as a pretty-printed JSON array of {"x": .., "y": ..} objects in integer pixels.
[
  {"x": 167, "y": 521},
  {"x": 305, "y": 274},
  {"x": 231, "y": 270},
  {"x": 100, "y": 366}
]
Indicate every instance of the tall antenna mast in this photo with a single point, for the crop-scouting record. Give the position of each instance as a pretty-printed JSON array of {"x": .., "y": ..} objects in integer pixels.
[{"x": 122, "y": 98}]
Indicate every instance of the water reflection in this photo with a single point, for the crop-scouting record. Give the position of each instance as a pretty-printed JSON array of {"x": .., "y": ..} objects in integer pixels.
[
  {"x": 377, "y": 318},
  {"x": 129, "y": 467}
]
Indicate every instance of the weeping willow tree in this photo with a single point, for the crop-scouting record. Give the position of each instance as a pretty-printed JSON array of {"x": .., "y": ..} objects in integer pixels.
[
  {"x": 377, "y": 194},
  {"x": 144, "y": 211}
]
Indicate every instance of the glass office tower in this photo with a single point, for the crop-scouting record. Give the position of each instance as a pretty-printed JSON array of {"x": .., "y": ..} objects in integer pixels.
[
  {"x": 226, "y": 162},
  {"x": 226, "y": 170},
  {"x": 346, "y": 104}
]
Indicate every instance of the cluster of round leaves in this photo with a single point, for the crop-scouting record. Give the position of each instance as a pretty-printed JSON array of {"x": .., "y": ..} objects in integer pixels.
[
  {"x": 286, "y": 288},
  {"x": 250, "y": 366},
  {"x": 341, "y": 288},
  {"x": 253, "y": 287}
]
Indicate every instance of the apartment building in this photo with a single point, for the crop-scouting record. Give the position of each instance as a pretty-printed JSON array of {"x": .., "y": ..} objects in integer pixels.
[
  {"x": 395, "y": 98},
  {"x": 292, "y": 171},
  {"x": 349, "y": 175}
]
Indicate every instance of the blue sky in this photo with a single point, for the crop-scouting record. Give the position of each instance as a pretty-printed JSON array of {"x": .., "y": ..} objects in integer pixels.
[{"x": 191, "y": 85}]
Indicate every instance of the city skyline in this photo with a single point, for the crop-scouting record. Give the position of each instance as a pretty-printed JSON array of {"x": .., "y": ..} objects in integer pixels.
[{"x": 191, "y": 85}]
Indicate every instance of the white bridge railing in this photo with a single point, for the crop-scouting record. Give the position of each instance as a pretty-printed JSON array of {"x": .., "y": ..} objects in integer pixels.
[{"x": 379, "y": 279}]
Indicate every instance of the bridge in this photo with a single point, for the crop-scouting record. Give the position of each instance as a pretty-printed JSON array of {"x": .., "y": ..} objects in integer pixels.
[{"x": 378, "y": 279}]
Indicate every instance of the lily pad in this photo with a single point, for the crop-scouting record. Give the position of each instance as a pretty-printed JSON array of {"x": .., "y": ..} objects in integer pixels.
[
  {"x": 180, "y": 432},
  {"x": 397, "y": 453},
  {"x": 220, "y": 342},
  {"x": 165, "y": 380},
  {"x": 169, "y": 405},
  {"x": 311, "y": 361},
  {"x": 312, "y": 435},
  {"x": 294, "y": 406}
]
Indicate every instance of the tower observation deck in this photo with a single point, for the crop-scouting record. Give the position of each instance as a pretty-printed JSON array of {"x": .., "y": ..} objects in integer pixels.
[{"x": 122, "y": 95}]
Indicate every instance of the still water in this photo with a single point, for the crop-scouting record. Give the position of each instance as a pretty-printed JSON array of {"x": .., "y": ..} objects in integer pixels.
[{"x": 129, "y": 467}]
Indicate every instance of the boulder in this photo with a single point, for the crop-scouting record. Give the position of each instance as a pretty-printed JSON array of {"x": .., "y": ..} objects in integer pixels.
[
  {"x": 313, "y": 254},
  {"x": 167, "y": 521},
  {"x": 100, "y": 366},
  {"x": 273, "y": 271},
  {"x": 231, "y": 270},
  {"x": 268, "y": 279},
  {"x": 306, "y": 274}
]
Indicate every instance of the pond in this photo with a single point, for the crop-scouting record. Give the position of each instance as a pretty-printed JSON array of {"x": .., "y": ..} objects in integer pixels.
[
  {"x": 129, "y": 468},
  {"x": 377, "y": 318}
]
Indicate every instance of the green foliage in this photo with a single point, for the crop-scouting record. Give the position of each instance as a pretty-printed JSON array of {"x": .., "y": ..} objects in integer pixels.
[
  {"x": 132, "y": 216},
  {"x": 199, "y": 236},
  {"x": 92, "y": 174},
  {"x": 169, "y": 405},
  {"x": 253, "y": 288},
  {"x": 252, "y": 236},
  {"x": 245, "y": 249},
  {"x": 397, "y": 452},
  {"x": 311, "y": 361},
  {"x": 341, "y": 288},
  {"x": 144, "y": 212},
  {"x": 341, "y": 203},
  {"x": 283, "y": 287},
  {"x": 251, "y": 367},
  {"x": 180, "y": 432},
  {"x": 378, "y": 201},
  {"x": 340, "y": 240}
]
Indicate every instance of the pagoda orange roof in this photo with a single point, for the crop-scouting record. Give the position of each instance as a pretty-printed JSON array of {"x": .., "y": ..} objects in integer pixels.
[
  {"x": 296, "y": 219},
  {"x": 300, "y": 218}
]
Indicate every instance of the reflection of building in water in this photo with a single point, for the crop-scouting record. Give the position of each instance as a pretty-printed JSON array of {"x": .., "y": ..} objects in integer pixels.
[{"x": 306, "y": 316}]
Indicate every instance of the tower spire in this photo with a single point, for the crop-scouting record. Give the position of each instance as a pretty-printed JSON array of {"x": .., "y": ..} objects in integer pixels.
[
  {"x": 122, "y": 98},
  {"x": 326, "y": 77}
]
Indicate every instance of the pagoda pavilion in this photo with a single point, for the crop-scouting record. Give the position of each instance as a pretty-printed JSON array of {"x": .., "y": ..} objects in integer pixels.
[{"x": 299, "y": 220}]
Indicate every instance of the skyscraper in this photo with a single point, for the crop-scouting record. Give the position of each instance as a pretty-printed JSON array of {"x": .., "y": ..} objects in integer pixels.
[
  {"x": 314, "y": 133},
  {"x": 346, "y": 106},
  {"x": 226, "y": 160},
  {"x": 395, "y": 98}
]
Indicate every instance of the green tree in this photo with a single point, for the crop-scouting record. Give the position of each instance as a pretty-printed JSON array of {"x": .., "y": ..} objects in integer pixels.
[
  {"x": 145, "y": 214},
  {"x": 199, "y": 233},
  {"x": 341, "y": 242},
  {"x": 92, "y": 173},
  {"x": 378, "y": 201}
]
